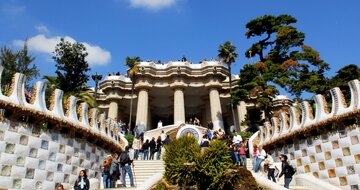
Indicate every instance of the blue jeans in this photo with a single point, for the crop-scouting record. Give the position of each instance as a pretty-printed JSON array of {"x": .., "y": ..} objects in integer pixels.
[
  {"x": 106, "y": 180},
  {"x": 158, "y": 154},
  {"x": 287, "y": 182},
  {"x": 152, "y": 152},
  {"x": 258, "y": 164},
  {"x": 127, "y": 169},
  {"x": 237, "y": 157},
  {"x": 145, "y": 155},
  {"x": 136, "y": 154}
]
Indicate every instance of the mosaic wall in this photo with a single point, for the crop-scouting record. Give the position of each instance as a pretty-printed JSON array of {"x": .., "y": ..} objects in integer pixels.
[
  {"x": 333, "y": 157},
  {"x": 35, "y": 158}
]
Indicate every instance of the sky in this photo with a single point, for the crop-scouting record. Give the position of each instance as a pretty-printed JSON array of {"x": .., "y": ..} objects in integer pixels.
[{"x": 168, "y": 29}]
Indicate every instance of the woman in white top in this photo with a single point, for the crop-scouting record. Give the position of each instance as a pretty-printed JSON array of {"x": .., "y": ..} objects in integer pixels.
[{"x": 270, "y": 162}]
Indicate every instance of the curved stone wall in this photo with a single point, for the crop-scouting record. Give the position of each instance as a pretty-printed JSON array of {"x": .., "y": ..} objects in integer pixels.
[
  {"x": 326, "y": 144},
  {"x": 43, "y": 145},
  {"x": 33, "y": 157}
]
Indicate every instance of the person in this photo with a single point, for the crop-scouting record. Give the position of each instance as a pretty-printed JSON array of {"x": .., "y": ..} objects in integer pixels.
[
  {"x": 114, "y": 169},
  {"x": 208, "y": 133},
  {"x": 237, "y": 139},
  {"x": 167, "y": 140},
  {"x": 242, "y": 154},
  {"x": 191, "y": 122},
  {"x": 82, "y": 182},
  {"x": 59, "y": 187},
  {"x": 158, "y": 148},
  {"x": 163, "y": 136},
  {"x": 271, "y": 171},
  {"x": 145, "y": 149},
  {"x": 255, "y": 153},
  {"x": 196, "y": 121},
  {"x": 260, "y": 158},
  {"x": 287, "y": 170},
  {"x": 152, "y": 146},
  {"x": 205, "y": 143},
  {"x": 106, "y": 172},
  {"x": 210, "y": 125},
  {"x": 125, "y": 162},
  {"x": 136, "y": 147}
]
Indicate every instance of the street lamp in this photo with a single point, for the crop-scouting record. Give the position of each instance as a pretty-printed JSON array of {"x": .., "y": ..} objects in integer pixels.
[{"x": 96, "y": 78}]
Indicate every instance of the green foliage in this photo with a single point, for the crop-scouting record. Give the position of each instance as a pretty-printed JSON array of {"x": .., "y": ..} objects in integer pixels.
[
  {"x": 71, "y": 66},
  {"x": 211, "y": 170},
  {"x": 130, "y": 139},
  {"x": 212, "y": 166},
  {"x": 245, "y": 134},
  {"x": 178, "y": 152},
  {"x": 159, "y": 186},
  {"x": 253, "y": 119},
  {"x": 285, "y": 59},
  {"x": 343, "y": 76},
  {"x": 17, "y": 62}
]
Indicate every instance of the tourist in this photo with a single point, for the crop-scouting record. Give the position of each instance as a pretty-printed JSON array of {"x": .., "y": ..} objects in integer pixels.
[
  {"x": 236, "y": 153},
  {"x": 260, "y": 158},
  {"x": 255, "y": 153},
  {"x": 208, "y": 133},
  {"x": 137, "y": 147},
  {"x": 114, "y": 169},
  {"x": 152, "y": 146},
  {"x": 125, "y": 162},
  {"x": 82, "y": 182},
  {"x": 167, "y": 140},
  {"x": 196, "y": 121},
  {"x": 210, "y": 125},
  {"x": 237, "y": 139},
  {"x": 191, "y": 122},
  {"x": 158, "y": 147},
  {"x": 145, "y": 150},
  {"x": 269, "y": 161},
  {"x": 59, "y": 187},
  {"x": 205, "y": 143},
  {"x": 106, "y": 172},
  {"x": 242, "y": 155},
  {"x": 287, "y": 170},
  {"x": 221, "y": 133},
  {"x": 163, "y": 136}
]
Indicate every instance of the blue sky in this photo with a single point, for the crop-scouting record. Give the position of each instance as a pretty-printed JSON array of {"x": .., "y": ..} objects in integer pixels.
[{"x": 167, "y": 29}]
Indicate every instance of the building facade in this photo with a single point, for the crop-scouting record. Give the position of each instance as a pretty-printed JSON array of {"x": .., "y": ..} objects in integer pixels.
[{"x": 172, "y": 93}]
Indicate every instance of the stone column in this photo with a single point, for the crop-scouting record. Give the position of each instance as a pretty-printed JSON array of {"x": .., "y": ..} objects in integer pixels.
[
  {"x": 142, "y": 110},
  {"x": 215, "y": 105},
  {"x": 241, "y": 111},
  {"x": 114, "y": 110},
  {"x": 179, "y": 106}
]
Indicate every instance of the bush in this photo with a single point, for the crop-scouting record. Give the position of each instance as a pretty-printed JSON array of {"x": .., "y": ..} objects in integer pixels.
[
  {"x": 212, "y": 166},
  {"x": 178, "y": 152},
  {"x": 211, "y": 170},
  {"x": 130, "y": 139}
]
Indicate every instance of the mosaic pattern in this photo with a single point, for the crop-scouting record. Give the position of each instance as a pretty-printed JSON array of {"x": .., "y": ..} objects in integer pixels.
[
  {"x": 40, "y": 159},
  {"x": 331, "y": 157}
]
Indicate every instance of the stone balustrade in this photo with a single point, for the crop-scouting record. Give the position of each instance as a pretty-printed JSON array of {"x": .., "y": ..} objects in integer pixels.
[
  {"x": 323, "y": 142},
  {"x": 78, "y": 118}
]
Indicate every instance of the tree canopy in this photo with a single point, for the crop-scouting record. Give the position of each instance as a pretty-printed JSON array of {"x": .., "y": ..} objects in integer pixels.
[
  {"x": 17, "y": 62},
  {"x": 283, "y": 57},
  {"x": 71, "y": 66}
]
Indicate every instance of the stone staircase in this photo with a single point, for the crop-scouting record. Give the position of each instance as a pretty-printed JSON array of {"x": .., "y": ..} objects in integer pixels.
[
  {"x": 143, "y": 169},
  {"x": 293, "y": 185}
]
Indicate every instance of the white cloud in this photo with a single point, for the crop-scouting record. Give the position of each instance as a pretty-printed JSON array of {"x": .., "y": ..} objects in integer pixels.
[
  {"x": 42, "y": 28},
  {"x": 41, "y": 43},
  {"x": 152, "y": 4}
]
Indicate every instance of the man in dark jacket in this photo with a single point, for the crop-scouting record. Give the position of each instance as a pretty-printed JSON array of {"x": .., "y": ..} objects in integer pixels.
[
  {"x": 152, "y": 146},
  {"x": 125, "y": 163},
  {"x": 287, "y": 170}
]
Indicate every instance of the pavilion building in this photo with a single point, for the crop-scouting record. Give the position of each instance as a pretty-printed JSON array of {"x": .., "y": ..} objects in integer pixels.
[{"x": 172, "y": 93}]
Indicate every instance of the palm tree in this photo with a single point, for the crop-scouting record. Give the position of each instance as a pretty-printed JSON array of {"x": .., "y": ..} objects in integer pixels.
[
  {"x": 228, "y": 55},
  {"x": 132, "y": 63}
]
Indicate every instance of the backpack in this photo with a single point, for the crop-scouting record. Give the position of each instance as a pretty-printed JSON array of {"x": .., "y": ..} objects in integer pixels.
[{"x": 291, "y": 170}]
